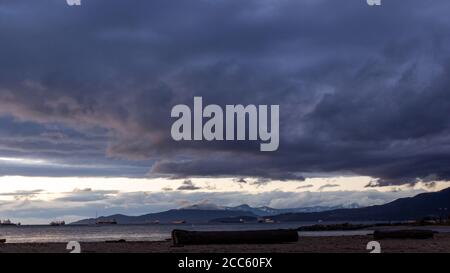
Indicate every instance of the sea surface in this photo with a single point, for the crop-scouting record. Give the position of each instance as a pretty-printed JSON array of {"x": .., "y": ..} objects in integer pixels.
[{"x": 99, "y": 233}]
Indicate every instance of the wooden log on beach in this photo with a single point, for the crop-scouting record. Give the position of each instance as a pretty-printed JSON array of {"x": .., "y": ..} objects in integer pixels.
[
  {"x": 403, "y": 234},
  {"x": 184, "y": 237}
]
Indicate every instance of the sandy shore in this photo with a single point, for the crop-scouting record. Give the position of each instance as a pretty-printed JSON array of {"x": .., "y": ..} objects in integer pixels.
[{"x": 342, "y": 244}]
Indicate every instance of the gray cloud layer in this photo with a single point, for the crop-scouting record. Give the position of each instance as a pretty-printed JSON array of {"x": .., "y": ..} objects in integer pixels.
[{"x": 361, "y": 90}]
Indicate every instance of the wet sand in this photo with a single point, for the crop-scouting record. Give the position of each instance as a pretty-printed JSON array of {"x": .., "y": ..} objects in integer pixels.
[{"x": 338, "y": 244}]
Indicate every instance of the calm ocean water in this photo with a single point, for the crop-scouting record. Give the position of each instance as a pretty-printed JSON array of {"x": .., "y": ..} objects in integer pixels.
[
  {"x": 139, "y": 232},
  {"x": 128, "y": 232}
]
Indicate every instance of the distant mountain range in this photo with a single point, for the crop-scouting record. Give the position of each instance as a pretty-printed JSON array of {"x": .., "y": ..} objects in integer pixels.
[
  {"x": 201, "y": 213},
  {"x": 426, "y": 204},
  {"x": 188, "y": 215},
  {"x": 265, "y": 211},
  {"x": 436, "y": 204}
]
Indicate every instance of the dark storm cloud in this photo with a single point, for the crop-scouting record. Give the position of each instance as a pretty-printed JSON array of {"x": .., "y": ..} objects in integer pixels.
[
  {"x": 240, "y": 180},
  {"x": 361, "y": 90},
  {"x": 188, "y": 185},
  {"x": 226, "y": 165}
]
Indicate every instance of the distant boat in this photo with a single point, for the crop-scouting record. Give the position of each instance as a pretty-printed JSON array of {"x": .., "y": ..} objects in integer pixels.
[
  {"x": 57, "y": 223},
  {"x": 154, "y": 222},
  {"x": 180, "y": 222},
  {"x": 106, "y": 222},
  {"x": 266, "y": 221},
  {"x": 8, "y": 223}
]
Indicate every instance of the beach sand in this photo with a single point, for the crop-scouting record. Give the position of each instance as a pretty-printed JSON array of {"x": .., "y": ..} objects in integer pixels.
[{"x": 341, "y": 244}]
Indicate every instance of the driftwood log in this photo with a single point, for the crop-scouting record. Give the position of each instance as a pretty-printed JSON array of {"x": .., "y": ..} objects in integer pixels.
[
  {"x": 403, "y": 234},
  {"x": 184, "y": 237}
]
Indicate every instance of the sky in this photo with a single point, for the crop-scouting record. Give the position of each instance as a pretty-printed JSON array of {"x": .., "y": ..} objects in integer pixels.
[{"x": 86, "y": 94}]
